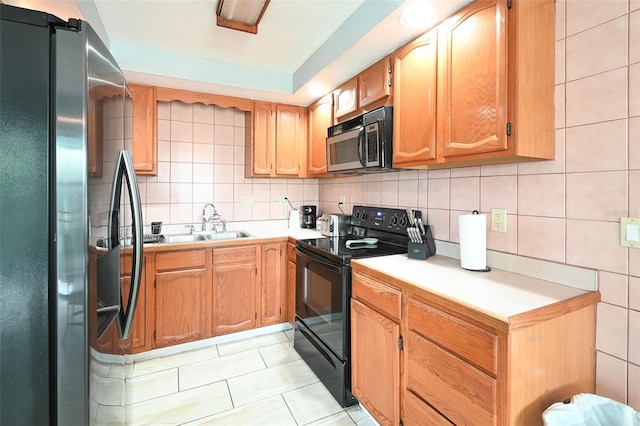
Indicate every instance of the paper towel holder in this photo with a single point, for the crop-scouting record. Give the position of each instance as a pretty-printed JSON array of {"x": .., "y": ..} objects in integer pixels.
[{"x": 487, "y": 268}]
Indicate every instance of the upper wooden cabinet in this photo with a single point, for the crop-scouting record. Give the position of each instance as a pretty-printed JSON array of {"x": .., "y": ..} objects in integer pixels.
[
  {"x": 320, "y": 119},
  {"x": 366, "y": 91},
  {"x": 276, "y": 144},
  {"x": 346, "y": 101},
  {"x": 374, "y": 84},
  {"x": 474, "y": 80},
  {"x": 494, "y": 75},
  {"x": 414, "y": 101},
  {"x": 145, "y": 124}
]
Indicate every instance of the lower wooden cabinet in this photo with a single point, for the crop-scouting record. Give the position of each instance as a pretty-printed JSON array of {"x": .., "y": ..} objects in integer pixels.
[
  {"x": 272, "y": 284},
  {"x": 458, "y": 365},
  {"x": 188, "y": 295},
  {"x": 418, "y": 413},
  {"x": 234, "y": 289},
  {"x": 291, "y": 284},
  {"x": 375, "y": 374},
  {"x": 375, "y": 347},
  {"x": 181, "y": 288},
  {"x": 138, "y": 340}
]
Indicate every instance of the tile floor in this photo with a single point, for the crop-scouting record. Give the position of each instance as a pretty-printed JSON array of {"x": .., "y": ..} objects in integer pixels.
[{"x": 258, "y": 380}]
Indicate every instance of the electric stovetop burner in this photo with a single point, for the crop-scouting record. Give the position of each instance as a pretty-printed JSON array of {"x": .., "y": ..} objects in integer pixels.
[
  {"x": 387, "y": 226},
  {"x": 337, "y": 249}
]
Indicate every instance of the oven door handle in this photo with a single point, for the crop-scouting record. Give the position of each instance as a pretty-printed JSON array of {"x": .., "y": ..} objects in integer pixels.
[{"x": 323, "y": 262}]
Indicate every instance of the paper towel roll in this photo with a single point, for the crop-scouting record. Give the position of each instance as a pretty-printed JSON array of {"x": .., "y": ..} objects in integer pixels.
[
  {"x": 294, "y": 219},
  {"x": 473, "y": 241}
]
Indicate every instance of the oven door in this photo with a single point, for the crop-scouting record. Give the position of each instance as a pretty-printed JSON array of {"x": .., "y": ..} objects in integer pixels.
[
  {"x": 345, "y": 151},
  {"x": 322, "y": 295}
]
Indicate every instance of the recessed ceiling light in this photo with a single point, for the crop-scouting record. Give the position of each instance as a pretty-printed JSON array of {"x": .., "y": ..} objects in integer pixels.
[
  {"x": 418, "y": 14},
  {"x": 316, "y": 89}
]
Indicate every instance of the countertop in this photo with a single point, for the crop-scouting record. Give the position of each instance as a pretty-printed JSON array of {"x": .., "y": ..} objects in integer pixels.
[{"x": 497, "y": 293}]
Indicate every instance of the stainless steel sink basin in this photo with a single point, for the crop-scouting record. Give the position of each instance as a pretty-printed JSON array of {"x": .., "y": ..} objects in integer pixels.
[
  {"x": 208, "y": 236},
  {"x": 189, "y": 238}
]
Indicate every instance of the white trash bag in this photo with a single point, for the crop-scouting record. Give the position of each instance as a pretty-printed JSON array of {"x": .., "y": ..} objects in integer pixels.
[{"x": 586, "y": 409}]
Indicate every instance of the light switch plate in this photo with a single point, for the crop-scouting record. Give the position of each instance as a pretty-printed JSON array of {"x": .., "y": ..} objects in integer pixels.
[{"x": 630, "y": 232}]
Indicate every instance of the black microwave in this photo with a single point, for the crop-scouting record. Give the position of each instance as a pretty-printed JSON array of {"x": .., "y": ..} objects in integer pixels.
[{"x": 361, "y": 144}]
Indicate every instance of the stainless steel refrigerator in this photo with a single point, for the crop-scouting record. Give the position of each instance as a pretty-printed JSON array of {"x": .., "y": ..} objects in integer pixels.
[{"x": 70, "y": 215}]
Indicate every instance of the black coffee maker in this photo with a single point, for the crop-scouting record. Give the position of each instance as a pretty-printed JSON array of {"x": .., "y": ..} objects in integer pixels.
[{"x": 308, "y": 216}]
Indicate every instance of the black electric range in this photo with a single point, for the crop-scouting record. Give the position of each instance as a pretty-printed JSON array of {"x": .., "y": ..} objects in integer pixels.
[
  {"x": 388, "y": 226},
  {"x": 322, "y": 334}
]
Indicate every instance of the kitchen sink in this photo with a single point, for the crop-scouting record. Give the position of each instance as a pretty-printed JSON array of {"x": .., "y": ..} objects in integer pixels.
[
  {"x": 188, "y": 238},
  {"x": 204, "y": 236}
]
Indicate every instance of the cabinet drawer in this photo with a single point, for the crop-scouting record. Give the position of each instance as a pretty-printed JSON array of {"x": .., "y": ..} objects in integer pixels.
[
  {"x": 418, "y": 413},
  {"x": 461, "y": 392},
  {"x": 384, "y": 298},
  {"x": 291, "y": 253},
  {"x": 180, "y": 260},
  {"x": 234, "y": 255},
  {"x": 475, "y": 345}
]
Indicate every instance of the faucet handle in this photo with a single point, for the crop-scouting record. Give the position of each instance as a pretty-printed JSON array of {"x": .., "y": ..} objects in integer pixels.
[{"x": 192, "y": 228}]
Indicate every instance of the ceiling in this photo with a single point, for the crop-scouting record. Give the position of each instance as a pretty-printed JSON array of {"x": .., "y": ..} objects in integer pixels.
[{"x": 299, "y": 42}]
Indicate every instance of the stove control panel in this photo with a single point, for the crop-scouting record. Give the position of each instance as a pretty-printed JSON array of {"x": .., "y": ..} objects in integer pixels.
[{"x": 383, "y": 219}]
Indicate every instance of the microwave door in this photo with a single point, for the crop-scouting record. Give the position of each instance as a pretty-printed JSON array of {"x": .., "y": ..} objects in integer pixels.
[{"x": 343, "y": 152}]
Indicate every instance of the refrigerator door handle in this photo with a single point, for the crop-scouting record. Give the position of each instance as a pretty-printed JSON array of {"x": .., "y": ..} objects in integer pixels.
[{"x": 125, "y": 171}]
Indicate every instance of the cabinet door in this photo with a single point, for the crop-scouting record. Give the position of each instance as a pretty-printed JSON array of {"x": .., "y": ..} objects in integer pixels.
[
  {"x": 414, "y": 101},
  {"x": 345, "y": 98},
  {"x": 291, "y": 292},
  {"x": 271, "y": 279},
  {"x": 264, "y": 137},
  {"x": 290, "y": 137},
  {"x": 320, "y": 119},
  {"x": 473, "y": 80},
  {"x": 145, "y": 142},
  {"x": 375, "y": 361},
  {"x": 234, "y": 297},
  {"x": 180, "y": 307},
  {"x": 291, "y": 284},
  {"x": 137, "y": 340},
  {"x": 374, "y": 83}
]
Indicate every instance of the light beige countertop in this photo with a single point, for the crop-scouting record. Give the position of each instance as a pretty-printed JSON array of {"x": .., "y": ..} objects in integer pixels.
[{"x": 497, "y": 293}]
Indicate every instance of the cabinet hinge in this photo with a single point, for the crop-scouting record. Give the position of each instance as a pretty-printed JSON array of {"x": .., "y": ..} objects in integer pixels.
[
  {"x": 154, "y": 335},
  {"x": 401, "y": 424},
  {"x": 389, "y": 81},
  {"x": 400, "y": 343},
  {"x": 390, "y": 69},
  {"x": 154, "y": 283},
  {"x": 508, "y": 129},
  {"x": 508, "y": 4}
]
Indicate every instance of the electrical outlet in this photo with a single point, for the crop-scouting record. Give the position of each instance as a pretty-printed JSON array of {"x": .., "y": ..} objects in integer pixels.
[
  {"x": 247, "y": 200},
  {"x": 343, "y": 199},
  {"x": 499, "y": 220},
  {"x": 281, "y": 200}
]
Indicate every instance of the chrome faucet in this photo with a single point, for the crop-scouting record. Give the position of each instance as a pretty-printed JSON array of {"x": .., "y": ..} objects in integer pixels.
[
  {"x": 209, "y": 217},
  {"x": 214, "y": 218}
]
